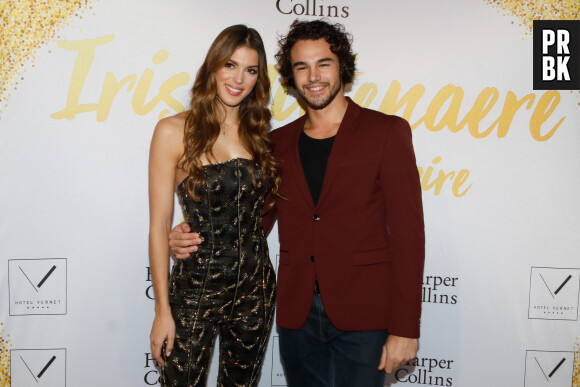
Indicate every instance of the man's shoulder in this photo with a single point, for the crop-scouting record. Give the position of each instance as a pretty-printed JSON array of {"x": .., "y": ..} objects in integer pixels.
[
  {"x": 380, "y": 126},
  {"x": 283, "y": 131},
  {"x": 367, "y": 116},
  {"x": 275, "y": 134}
]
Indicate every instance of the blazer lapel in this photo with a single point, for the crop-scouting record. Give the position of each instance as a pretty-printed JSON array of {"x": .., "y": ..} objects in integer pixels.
[
  {"x": 295, "y": 164},
  {"x": 343, "y": 142}
]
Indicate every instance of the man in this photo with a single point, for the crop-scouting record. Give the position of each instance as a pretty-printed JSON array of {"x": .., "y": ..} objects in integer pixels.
[{"x": 350, "y": 226}]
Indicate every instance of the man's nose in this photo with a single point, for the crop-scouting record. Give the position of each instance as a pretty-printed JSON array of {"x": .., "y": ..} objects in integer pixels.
[{"x": 313, "y": 75}]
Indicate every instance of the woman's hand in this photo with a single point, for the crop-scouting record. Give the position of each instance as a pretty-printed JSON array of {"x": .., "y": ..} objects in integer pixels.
[{"x": 163, "y": 331}]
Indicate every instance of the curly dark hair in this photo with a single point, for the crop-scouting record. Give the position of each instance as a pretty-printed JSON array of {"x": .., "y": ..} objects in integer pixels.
[{"x": 334, "y": 34}]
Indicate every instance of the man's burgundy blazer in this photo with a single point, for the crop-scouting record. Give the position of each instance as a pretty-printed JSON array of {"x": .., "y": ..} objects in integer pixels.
[{"x": 364, "y": 240}]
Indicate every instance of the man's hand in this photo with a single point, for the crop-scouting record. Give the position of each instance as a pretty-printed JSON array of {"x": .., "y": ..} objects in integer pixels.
[
  {"x": 182, "y": 241},
  {"x": 397, "y": 351}
]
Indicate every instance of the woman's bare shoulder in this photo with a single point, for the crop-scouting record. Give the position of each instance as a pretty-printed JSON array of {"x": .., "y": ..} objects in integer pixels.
[
  {"x": 168, "y": 134},
  {"x": 173, "y": 124}
]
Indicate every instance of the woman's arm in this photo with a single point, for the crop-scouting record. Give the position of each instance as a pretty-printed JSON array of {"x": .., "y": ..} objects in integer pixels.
[{"x": 166, "y": 150}]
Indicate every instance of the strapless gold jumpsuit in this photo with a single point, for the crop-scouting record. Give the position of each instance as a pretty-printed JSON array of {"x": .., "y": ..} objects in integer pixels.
[{"x": 227, "y": 286}]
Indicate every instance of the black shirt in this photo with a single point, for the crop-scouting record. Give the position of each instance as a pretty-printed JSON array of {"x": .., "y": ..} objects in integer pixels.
[{"x": 314, "y": 157}]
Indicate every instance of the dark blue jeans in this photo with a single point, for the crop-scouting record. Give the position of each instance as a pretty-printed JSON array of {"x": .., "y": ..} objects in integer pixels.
[{"x": 319, "y": 355}]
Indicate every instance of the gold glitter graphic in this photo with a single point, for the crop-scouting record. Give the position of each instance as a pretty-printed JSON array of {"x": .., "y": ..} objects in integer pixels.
[
  {"x": 4, "y": 358},
  {"x": 529, "y": 10},
  {"x": 27, "y": 25},
  {"x": 576, "y": 375}
]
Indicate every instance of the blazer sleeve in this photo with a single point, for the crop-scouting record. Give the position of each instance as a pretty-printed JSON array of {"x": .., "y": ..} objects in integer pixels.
[
  {"x": 402, "y": 194},
  {"x": 269, "y": 214}
]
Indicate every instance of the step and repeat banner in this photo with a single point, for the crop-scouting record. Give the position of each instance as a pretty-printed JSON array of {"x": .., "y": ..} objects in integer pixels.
[{"x": 83, "y": 84}]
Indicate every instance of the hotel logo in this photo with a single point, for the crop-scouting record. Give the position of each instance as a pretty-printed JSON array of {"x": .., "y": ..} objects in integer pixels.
[
  {"x": 278, "y": 378},
  {"x": 38, "y": 367},
  {"x": 554, "y": 293},
  {"x": 37, "y": 286},
  {"x": 549, "y": 368}
]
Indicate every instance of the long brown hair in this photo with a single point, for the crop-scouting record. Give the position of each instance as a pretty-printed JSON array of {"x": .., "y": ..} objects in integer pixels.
[{"x": 202, "y": 126}]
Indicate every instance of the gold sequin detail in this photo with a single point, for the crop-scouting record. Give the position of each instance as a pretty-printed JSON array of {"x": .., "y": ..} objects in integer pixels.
[
  {"x": 27, "y": 25},
  {"x": 576, "y": 375},
  {"x": 5, "y": 346},
  {"x": 529, "y": 10},
  {"x": 228, "y": 283}
]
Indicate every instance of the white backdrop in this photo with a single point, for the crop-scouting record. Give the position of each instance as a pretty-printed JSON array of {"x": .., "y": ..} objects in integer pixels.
[{"x": 83, "y": 84}]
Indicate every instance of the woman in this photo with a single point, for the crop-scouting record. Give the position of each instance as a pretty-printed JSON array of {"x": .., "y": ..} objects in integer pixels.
[{"x": 218, "y": 155}]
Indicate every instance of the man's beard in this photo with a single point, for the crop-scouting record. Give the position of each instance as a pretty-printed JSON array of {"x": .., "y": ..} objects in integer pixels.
[{"x": 325, "y": 102}]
